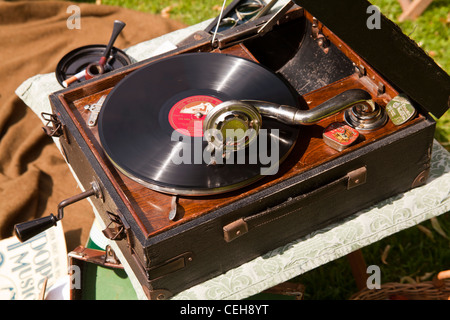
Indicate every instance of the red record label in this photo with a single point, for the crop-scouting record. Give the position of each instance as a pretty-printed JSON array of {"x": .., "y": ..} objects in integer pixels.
[{"x": 187, "y": 115}]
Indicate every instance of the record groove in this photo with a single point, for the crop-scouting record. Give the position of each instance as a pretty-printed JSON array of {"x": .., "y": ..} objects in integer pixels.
[{"x": 138, "y": 119}]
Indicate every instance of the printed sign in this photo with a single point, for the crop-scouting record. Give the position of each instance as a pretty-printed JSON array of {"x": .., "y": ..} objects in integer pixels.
[{"x": 26, "y": 267}]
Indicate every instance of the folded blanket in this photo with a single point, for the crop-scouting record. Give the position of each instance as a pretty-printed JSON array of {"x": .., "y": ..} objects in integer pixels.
[{"x": 34, "y": 36}]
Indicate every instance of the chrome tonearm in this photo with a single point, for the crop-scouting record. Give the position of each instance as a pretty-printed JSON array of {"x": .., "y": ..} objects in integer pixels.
[{"x": 247, "y": 114}]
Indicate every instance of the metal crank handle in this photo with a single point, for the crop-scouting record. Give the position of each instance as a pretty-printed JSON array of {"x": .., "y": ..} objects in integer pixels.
[
  {"x": 26, "y": 230},
  {"x": 294, "y": 116}
]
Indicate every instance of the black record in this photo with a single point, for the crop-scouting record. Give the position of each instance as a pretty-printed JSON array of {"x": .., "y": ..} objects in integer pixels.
[{"x": 150, "y": 123}]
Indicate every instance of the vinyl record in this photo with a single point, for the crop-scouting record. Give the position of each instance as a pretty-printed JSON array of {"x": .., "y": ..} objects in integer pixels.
[{"x": 150, "y": 124}]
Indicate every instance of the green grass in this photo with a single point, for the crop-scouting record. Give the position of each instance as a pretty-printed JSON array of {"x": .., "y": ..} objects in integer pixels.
[
  {"x": 414, "y": 253},
  {"x": 432, "y": 32},
  {"x": 188, "y": 12}
]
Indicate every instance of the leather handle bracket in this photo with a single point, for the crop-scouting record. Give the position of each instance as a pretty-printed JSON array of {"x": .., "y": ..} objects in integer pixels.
[{"x": 241, "y": 226}]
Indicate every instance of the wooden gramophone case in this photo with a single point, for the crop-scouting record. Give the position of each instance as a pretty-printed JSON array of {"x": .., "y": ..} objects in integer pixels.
[{"x": 315, "y": 186}]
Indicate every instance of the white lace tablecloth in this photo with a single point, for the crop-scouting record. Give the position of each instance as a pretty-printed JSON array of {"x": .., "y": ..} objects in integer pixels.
[{"x": 364, "y": 228}]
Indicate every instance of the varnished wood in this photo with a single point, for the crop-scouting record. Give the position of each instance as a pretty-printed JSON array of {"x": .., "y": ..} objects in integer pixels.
[
  {"x": 359, "y": 268},
  {"x": 150, "y": 209}
]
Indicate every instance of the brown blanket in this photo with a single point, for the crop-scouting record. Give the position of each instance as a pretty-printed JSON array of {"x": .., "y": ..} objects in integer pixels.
[{"x": 33, "y": 37}]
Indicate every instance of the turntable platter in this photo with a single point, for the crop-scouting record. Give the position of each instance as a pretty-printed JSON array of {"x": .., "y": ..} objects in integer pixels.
[{"x": 150, "y": 124}]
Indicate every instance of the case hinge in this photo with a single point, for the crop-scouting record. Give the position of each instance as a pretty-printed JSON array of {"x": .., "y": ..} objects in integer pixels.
[
  {"x": 80, "y": 257},
  {"x": 318, "y": 36},
  {"x": 105, "y": 258},
  {"x": 254, "y": 28}
]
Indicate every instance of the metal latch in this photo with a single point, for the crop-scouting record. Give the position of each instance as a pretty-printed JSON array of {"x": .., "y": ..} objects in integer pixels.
[
  {"x": 110, "y": 257},
  {"x": 54, "y": 127},
  {"x": 115, "y": 229},
  {"x": 95, "y": 110}
]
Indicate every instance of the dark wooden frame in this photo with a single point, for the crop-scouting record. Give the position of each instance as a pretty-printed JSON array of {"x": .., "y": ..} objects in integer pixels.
[{"x": 170, "y": 256}]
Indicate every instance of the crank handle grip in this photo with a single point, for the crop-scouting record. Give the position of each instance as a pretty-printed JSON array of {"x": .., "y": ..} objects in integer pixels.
[{"x": 27, "y": 230}]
